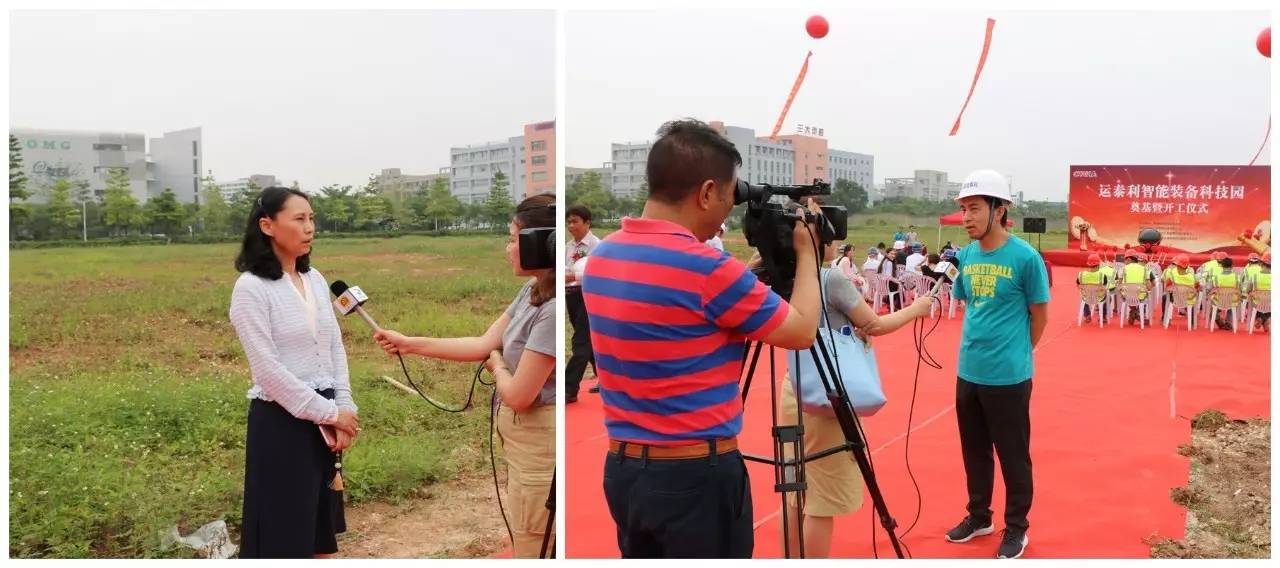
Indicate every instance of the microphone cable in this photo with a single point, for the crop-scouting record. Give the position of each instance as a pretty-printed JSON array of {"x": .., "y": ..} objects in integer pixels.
[
  {"x": 470, "y": 392},
  {"x": 477, "y": 379}
]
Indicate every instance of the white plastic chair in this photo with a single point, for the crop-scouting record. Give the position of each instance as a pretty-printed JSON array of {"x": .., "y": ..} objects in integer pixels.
[
  {"x": 1131, "y": 295},
  {"x": 1259, "y": 302},
  {"x": 1184, "y": 297},
  {"x": 894, "y": 298},
  {"x": 1223, "y": 299},
  {"x": 1095, "y": 296},
  {"x": 914, "y": 284}
]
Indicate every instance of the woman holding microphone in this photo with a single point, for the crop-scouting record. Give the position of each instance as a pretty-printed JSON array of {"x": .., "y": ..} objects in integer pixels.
[
  {"x": 835, "y": 483},
  {"x": 301, "y": 414},
  {"x": 519, "y": 350}
]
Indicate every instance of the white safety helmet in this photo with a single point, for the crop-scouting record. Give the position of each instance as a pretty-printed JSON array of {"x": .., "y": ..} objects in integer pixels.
[{"x": 988, "y": 183}]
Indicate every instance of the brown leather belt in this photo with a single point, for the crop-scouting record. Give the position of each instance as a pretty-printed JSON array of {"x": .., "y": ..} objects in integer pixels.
[{"x": 687, "y": 452}]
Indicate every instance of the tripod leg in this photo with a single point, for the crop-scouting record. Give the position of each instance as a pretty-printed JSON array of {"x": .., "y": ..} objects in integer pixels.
[{"x": 551, "y": 519}]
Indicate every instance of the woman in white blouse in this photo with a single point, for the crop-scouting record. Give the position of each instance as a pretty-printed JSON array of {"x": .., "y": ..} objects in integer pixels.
[
  {"x": 301, "y": 414},
  {"x": 519, "y": 350}
]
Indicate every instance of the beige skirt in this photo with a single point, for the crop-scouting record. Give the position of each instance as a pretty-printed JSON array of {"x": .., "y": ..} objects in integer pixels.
[
  {"x": 529, "y": 447},
  {"x": 835, "y": 484}
]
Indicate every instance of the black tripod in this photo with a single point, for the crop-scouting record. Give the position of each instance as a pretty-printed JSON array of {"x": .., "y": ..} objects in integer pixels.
[
  {"x": 551, "y": 519},
  {"x": 783, "y": 436}
]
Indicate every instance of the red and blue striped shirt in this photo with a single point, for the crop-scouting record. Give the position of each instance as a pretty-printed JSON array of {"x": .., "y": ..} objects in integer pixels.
[{"x": 670, "y": 317}]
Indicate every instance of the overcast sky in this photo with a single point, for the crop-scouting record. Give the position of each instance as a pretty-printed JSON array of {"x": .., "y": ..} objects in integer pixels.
[
  {"x": 320, "y": 97},
  {"x": 1058, "y": 88}
]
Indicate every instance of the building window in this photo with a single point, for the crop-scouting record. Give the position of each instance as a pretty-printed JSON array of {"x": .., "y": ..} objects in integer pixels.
[
  {"x": 195, "y": 149},
  {"x": 539, "y": 176},
  {"x": 538, "y": 145},
  {"x": 539, "y": 160},
  {"x": 195, "y": 167},
  {"x": 111, "y": 147}
]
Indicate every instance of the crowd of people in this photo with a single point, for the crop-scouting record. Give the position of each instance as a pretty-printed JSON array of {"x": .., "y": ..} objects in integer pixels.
[{"x": 1132, "y": 282}]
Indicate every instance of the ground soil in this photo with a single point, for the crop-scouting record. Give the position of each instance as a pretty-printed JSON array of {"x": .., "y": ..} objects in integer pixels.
[{"x": 1228, "y": 498}]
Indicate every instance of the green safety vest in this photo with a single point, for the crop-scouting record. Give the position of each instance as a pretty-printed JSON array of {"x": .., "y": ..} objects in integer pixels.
[
  {"x": 1262, "y": 281},
  {"x": 1226, "y": 280},
  {"x": 1110, "y": 273},
  {"x": 1135, "y": 273},
  {"x": 1252, "y": 271},
  {"x": 1091, "y": 277},
  {"x": 1187, "y": 279}
]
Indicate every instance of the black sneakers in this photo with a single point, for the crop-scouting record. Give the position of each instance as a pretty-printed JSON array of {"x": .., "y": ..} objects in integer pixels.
[
  {"x": 1012, "y": 543},
  {"x": 968, "y": 529}
]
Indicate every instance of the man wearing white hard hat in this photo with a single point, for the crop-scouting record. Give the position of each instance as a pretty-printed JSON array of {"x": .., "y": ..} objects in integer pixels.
[
  {"x": 1005, "y": 285},
  {"x": 578, "y": 222}
]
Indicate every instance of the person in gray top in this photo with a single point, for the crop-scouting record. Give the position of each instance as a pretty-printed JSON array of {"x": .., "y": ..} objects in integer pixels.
[
  {"x": 835, "y": 484},
  {"x": 519, "y": 350}
]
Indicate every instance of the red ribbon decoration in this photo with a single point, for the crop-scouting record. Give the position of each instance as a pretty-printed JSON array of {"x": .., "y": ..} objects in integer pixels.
[
  {"x": 794, "y": 89},
  {"x": 986, "y": 46},
  {"x": 1265, "y": 137}
]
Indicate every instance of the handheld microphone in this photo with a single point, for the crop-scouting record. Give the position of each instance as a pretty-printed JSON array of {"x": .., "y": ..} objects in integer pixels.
[
  {"x": 349, "y": 299},
  {"x": 951, "y": 272}
]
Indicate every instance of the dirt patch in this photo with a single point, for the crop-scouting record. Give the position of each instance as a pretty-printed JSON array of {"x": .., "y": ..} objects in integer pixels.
[
  {"x": 456, "y": 519},
  {"x": 1228, "y": 498}
]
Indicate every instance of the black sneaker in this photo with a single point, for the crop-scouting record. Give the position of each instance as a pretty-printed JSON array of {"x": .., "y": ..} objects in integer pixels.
[
  {"x": 594, "y": 389},
  {"x": 1012, "y": 544},
  {"x": 570, "y": 399},
  {"x": 967, "y": 530}
]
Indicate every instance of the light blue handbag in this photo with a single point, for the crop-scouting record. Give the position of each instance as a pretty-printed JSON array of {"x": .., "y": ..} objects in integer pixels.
[{"x": 856, "y": 361}]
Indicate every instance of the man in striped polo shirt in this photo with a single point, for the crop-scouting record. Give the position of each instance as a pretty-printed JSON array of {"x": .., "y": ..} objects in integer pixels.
[{"x": 669, "y": 320}]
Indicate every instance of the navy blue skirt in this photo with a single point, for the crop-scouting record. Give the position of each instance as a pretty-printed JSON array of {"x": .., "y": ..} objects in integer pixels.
[{"x": 289, "y": 509}]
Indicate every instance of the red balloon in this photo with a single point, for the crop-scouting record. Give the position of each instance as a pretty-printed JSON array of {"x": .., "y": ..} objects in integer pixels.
[
  {"x": 1264, "y": 42},
  {"x": 817, "y": 27}
]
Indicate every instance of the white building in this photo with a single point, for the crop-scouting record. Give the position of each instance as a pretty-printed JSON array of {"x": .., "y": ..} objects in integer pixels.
[
  {"x": 628, "y": 161},
  {"x": 232, "y": 187},
  {"x": 931, "y": 185},
  {"x": 89, "y": 156},
  {"x": 471, "y": 169},
  {"x": 176, "y": 164}
]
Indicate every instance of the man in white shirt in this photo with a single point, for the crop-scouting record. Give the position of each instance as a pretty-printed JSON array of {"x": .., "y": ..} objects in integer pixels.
[
  {"x": 873, "y": 259},
  {"x": 715, "y": 242},
  {"x": 578, "y": 222},
  {"x": 917, "y": 258}
]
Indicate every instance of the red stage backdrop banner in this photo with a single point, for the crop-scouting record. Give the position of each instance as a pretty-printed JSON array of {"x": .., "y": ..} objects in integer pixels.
[{"x": 1197, "y": 209}]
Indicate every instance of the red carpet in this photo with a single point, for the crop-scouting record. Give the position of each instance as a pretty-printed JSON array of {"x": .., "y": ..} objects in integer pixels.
[{"x": 1109, "y": 409}]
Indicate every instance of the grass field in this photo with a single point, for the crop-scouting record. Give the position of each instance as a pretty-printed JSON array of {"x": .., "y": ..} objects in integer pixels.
[{"x": 127, "y": 385}]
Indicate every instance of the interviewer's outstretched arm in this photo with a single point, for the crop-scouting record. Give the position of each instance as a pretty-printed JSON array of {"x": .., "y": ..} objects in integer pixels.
[{"x": 467, "y": 349}]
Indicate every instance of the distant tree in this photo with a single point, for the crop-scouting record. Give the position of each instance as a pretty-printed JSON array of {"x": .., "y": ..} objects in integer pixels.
[
  {"x": 498, "y": 207},
  {"x": 214, "y": 213},
  {"x": 165, "y": 214},
  {"x": 64, "y": 216},
  {"x": 17, "y": 178},
  {"x": 121, "y": 211},
  {"x": 440, "y": 204}
]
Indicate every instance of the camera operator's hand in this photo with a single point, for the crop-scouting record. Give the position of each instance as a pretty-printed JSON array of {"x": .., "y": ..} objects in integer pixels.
[{"x": 804, "y": 240}]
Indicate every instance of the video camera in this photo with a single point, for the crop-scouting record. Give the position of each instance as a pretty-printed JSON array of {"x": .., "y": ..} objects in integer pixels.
[
  {"x": 538, "y": 248},
  {"x": 768, "y": 226}
]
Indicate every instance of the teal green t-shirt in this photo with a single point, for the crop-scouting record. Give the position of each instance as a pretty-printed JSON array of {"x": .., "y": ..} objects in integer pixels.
[{"x": 999, "y": 287}]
